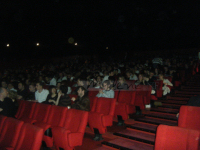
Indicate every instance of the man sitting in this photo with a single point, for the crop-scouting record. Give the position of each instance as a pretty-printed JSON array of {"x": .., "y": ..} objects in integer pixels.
[
  {"x": 40, "y": 94},
  {"x": 107, "y": 92},
  {"x": 82, "y": 102}
]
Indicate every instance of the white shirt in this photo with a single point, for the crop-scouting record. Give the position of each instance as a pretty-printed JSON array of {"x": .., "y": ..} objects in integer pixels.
[
  {"x": 42, "y": 96},
  {"x": 53, "y": 82},
  {"x": 13, "y": 90},
  {"x": 105, "y": 78},
  {"x": 133, "y": 77},
  {"x": 106, "y": 94}
]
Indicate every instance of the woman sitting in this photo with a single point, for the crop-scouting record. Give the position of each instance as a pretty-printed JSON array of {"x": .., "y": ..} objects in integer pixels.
[{"x": 52, "y": 96}]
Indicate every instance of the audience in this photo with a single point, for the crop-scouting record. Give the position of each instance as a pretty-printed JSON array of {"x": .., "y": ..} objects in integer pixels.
[{"x": 41, "y": 94}]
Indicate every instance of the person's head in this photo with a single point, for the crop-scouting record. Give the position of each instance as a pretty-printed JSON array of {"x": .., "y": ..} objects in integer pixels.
[
  {"x": 12, "y": 94},
  {"x": 128, "y": 74},
  {"x": 4, "y": 84},
  {"x": 21, "y": 86},
  {"x": 81, "y": 91},
  {"x": 52, "y": 90},
  {"x": 27, "y": 81},
  {"x": 161, "y": 77},
  {"x": 106, "y": 85},
  {"x": 32, "y": 87},
  {"x": 146, "y": 77},
  {"x": 140, "y": 77},
  {"x": 60, "y": 75},
  {"x": 58, "y": 85},
  {"x": 121, "y": 79},
  {"x": 99, "y": 79},
  {"x": 111, "y": 73},
  {"x": 64, "y": 89},
  {"x": 40, "y": 78},
  {"x": 3, "y": 93},
  {"x": 39, "y": 86},
  {"x": 151, "y": 74},
  {"x": 80, "y": 82},
  {"x": 10, "y": 86}
]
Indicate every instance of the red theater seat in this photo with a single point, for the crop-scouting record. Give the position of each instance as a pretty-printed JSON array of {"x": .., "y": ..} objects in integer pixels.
[
  {"x": 21, "y": 103},
  {"x": 125, "y": 104},
  {"x": 27, "y": 110},
  {"x": 30, "y": 138},
  {"x": 176, "y": 138},
  {"x": 159, "y": 85},
  {"x": 92, "y": 92},
  {"x": 41, "y": 113},
  {"x": 10, "y": 133},
  {"x": 101, "y": 114},
  {"x": 56, "y": 118},
  {"x": 2, "y": 120},
  {"x": 189, "y": 117},
  {"x": 72, "y": 132}
]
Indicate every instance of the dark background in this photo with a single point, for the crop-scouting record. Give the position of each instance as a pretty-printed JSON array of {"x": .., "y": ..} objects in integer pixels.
[{"x": 119, "y": 25}]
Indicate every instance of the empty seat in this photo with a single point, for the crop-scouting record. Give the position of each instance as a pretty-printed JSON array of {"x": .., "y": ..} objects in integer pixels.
[
  {"x": 56, "y": 118},
  {"x": 189, "y": 117},
  {"x": 72, "y": 132},
  {"x": 125, "y": 104},
  {"x": 27, "y": 110},
  {"x": 10, "y": 133},
  {"x": 101, "y": 114},
  {"x": 41, "y": 113},
  {"x": 176, "y": 138},
  {"x": 159, "y": 85},
  {"x": 30, "y": 138},
  {"x": 21, "y": 103}
]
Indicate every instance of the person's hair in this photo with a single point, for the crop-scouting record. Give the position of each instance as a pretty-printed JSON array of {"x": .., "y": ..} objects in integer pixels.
[
  {"x": 51, "y": 87},
  {"x": 11, "y": 84},
  {"x": 32, "y": 83},
  {"x": 82, "y": 88},
  {"x": 40, "y": 83},
  {"x": 107, "y": 82},
  {"x": 64, "y": 82},
  {"x": 23, "y": 84},
  {"x": 122, "y": 78},
  {"x": 12, "y": 94},
  {"x": 64, "y": 89}
]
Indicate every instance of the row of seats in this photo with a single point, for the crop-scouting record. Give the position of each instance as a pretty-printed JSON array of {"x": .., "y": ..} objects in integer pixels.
[
  {"x": 183, "y": 137},
  {"x": 60, "y": 124},
  {"x": 17, "y": 135}
]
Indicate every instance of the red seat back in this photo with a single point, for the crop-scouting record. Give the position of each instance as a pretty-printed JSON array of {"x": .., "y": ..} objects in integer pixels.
[
  {"x": 189, "y": 117},
  {"x": 76, "y": 120},
  {"x": 30, "y": 137},
  {"x": 93, "y": 92},
  {"x": 105, "y": 106},
  {"x": 21, "y": 103},
  {"x": 10, "y": 132},
  {"x": 57, "y": 116},
  {"x": 2, "y": 120},
  {"x": 92, "y": 102},
  {"x": 127, "y": 97},
  {"x": 41, "y": 112},
  {"x": 27, "y": 110},
  {"x": 176, "y": 138},
  {"x": 159, "y": 84}
]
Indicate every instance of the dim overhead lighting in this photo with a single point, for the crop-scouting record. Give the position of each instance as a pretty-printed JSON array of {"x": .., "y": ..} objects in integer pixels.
[
  {"x": 106, "y": 47},
  {"x": 37, "y": 44},
  {"x": 8, "y": 45},
  {"x": 75, "y": 43}
]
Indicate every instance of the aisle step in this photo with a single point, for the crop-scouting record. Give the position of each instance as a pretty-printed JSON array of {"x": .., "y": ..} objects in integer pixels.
[
  {"x": 137, "y": 135},
  {"x": 157, "y": 121},
  {"x": 173, "y": 102},
  {"x": 175, "y": 97},
  {"x": 127, "y": 144},
  {"x": 147, "y": 127},
  {"x": 166, "y": 110},
  {"x": 162, "y": 115},
  {"x": 173, "y": 106},
  {"x": 104, "y": 147}
]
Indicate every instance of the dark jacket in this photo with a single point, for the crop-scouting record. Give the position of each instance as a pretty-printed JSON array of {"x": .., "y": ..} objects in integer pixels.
[
  {"x": 64, "y": 101},
  {"x": 82, "y": 103}
]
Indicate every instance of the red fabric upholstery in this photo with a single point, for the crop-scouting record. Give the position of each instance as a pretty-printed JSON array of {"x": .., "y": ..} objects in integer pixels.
[
  {"x": 116, "y": 94},
  {"x": 27, "y": 110},
  {"x": 101, "y": 114},
  {"x": 10, "y": 133},
  {"x": 125, "y": 104},
  {"x": 56, "y": 118},
  {"x": 71, "y": 134},
  {"x": 143, "y": 95},
  {"x": 176, "y": 138},
  {"x": 30, "y": 138},
  {"x": 2, "y": 120},
  {"x": 73, "y": 95},
  {"x": 92, "y": 101},
  {"x": 41, "y": 112},
  {"x": 189, "y": 117},
  {"x": 93, "y": 92},
  {"x": 159, "y": 85},
  {"x": 21, "y": 103}
]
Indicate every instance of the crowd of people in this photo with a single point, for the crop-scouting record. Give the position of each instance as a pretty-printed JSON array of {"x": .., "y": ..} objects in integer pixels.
[{"x": 52, "y": 83}]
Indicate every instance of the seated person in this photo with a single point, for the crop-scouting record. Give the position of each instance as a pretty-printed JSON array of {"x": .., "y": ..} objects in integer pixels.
[
  {"x": 63, "y": 98},
  {"x": 165, "y": 88},
  {"x": 31, "y": 94},
  {"x": 141, "y": 80},
  {"x": 82, "y": 102},
  {"x": 152, "y": 78},
  {"x": 52, "y": 95},
  {"x": 41, "y": 94},
  {"x": 7, "y": 106},
  {"x": 21, "y": 93},
  {"x": 106, "y": 92},
  {"x": 131, "y": 76},
  {"x": 11, "y": 87},
  {"x": 122, "y": 83}
]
